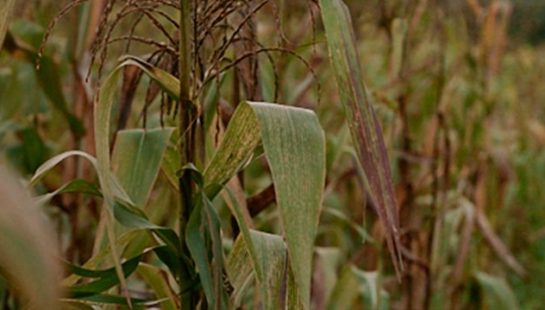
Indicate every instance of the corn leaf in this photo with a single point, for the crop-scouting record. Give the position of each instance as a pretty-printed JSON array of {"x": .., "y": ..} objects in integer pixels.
[
  {"x": 270, "y": 257},
  {"x": 158, "y": 282},
  {"x": 102, "y": 122},
  {"x": 294, "y": 144},
  {"x": 136, "y": 160},
  {"x": 29, "y": 258},
  {"x": 354, "y": 284},
  {"x": 166, "y": 81},
  {"x": 203, "y": 228},
  {"x": 361, "y": 118},
  {"x": 498, "y": 294},
  {"x": 48, "y": 75}
]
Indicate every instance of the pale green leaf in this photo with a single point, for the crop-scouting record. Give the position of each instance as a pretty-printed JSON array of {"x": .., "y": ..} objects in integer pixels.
[
  {"x": 294, "y": 144},
  {"x": 498, "y": 294},
  {"x": 136, "y": 160},
  {"x": 270, "y": 256},
  {"x": 28, "y": 247},
  {"x": 157, "y": 280},
  {"x": 353, "y": 285}
]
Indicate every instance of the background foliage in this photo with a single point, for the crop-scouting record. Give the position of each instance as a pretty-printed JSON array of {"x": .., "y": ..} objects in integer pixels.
[{"x": 144, "y": 141}]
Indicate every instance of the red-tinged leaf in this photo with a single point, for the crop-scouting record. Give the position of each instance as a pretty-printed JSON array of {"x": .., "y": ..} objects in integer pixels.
[{"x": 362, "y": 121}]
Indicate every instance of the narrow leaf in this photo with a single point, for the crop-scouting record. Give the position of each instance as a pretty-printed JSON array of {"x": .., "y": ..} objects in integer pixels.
[
  {"x": 362, "y": 121},
  {"x": 204, "y": 225}
]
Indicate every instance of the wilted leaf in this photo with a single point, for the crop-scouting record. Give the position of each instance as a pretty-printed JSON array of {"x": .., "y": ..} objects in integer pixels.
[
  {"x": 497, "y": 244},
  {"x": 362, "y": 121}
]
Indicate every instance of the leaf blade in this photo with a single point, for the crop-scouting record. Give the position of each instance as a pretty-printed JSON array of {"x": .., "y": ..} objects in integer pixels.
[
  {"x": 290, "y": 137},
  {"x": 27, "y": 245},
  {"x": 362, "y": 121}
]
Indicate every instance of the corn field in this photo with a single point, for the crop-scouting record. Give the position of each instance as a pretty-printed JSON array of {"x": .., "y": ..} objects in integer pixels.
[{"x": 272, "y": 154}]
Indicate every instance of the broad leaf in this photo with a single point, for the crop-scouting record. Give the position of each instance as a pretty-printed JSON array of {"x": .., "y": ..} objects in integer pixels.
[
  {"x": 103, "y": 113},
  {"x": 270, "y": 257},
  {"x": 136, "y": 160},
  {"x": 295, "y": 147}
]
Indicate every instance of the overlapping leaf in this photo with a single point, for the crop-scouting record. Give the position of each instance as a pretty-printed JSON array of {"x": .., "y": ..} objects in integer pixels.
[
  {"x": 137, "y": 158},
  {"x": 269, "y": 256},
  {"x": 295, "y": 148}
]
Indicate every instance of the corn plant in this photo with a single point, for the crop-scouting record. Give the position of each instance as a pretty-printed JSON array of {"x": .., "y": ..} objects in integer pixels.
[{"x": 224, "y": 154}]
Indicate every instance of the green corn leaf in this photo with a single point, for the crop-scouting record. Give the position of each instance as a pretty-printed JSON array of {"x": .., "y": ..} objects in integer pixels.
[
  {"x": 28, "y": 247},
  {"x": 117, "y": 190},
  {"x": 240, "y": 139},
  {"x": 127, "y": 216},
  {"x": 136, "y": 160},
  {"x": 171, "y": 163},
  {"x": 270, "y": 256},
  {"x": 498, "y": 294},
  {"x": 362, "y": 121},
  {"x": 158, "y": 282},
  {"x": 135, "y": 219},
  {"x": 291, "y": 136},
  {"x": 354, "y": 284},
  {"x": 103, "y": 114},
  {"x": 166, "y": 81},
  {"x": 27, "y": 37},
  {"x": 107, "y": 278},
  {"x": 203, "y": 228},
  {"x": 75, "y": 186}
]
